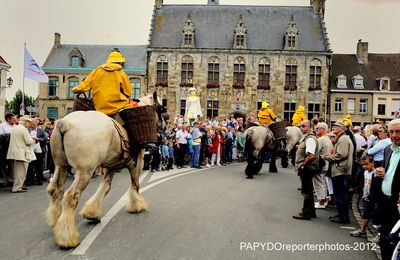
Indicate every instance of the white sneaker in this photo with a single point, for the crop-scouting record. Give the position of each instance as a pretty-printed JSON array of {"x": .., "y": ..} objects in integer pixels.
[
  {"x": 377, "y": 227},
  {"x": 212, "y": 165},
  {"x": 319, "y": 206},
  {"x": 207, "y": 165},
  {"x": 218, "y": 164}
]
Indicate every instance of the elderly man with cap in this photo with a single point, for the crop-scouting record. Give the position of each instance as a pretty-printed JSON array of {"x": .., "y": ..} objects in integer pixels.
[
  {"x": 325, "y": 146},
  {"x": 299, "y": 116},
  {"x": 342, "y": 162},
  {"x": 20, "y": 152},
  {"x": 307, "y": 167},
  {"x": 266, "y": 116}
]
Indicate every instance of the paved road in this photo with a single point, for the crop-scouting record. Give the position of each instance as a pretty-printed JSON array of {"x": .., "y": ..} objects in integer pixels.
[{"x": 193, "y": 214}]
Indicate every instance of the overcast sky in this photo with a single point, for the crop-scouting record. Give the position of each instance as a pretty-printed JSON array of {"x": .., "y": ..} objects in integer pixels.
[{"x": 128, "y": 22}]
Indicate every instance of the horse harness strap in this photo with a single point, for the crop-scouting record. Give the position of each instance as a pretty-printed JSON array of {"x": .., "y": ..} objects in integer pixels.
[{"x": 125, "y": 146}]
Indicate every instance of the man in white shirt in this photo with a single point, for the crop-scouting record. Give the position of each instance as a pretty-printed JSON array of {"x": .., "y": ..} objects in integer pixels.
[
  {"x": 6, "y": 127},
  {"x": 181, "y": 145},
  {"x": 360, "y": 141},
  {"x": 6, "y": 175}
]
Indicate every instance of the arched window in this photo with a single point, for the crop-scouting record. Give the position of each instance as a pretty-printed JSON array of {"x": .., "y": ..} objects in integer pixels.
[
  {"x": 291, "y": 75},
  {"x": 136, "y": 88},
  {"x": 239, "y": 72},
  {"x": 213, "y": 72},
  {"x": 187, "y": 71},
  {"x": 264, "y": 73},
  {"x": 162, "y": 71},
  {"x": 72, "y": 82},
  {"x": 315, "y": 74}
]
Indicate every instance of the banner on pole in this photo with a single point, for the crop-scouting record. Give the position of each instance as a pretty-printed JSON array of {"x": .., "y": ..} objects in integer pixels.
[{"x": 32, "y": 69}]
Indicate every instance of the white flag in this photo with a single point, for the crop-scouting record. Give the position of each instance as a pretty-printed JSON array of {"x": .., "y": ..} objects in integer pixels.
[{"x": 33, "y": 70}]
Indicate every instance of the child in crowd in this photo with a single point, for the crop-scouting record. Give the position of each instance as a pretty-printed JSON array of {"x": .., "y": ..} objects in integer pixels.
[
  {"x": 171, "y": 156},
  {"x": 165, "y": 155},
  {"x": 367, "y": 163}
]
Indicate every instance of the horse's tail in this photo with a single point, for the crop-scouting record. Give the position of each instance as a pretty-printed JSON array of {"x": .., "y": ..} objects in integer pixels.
[{"x": 57, "y": 142}]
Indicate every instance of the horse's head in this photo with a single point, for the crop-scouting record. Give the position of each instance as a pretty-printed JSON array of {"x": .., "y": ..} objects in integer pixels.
[
  {"x": 153, "y": 100},
  {"x": 161, "y": 112}
]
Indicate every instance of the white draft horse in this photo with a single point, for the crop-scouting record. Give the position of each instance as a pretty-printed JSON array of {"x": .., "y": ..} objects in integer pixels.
[
  {"x": 258, "y": 139},
  {"x": 84, "y": 141}
]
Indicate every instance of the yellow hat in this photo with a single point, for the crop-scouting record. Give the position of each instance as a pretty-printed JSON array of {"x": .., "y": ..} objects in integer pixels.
[
  {"x": 300, "y": 109},
  {"x": 115, "y": 57},
  {"x": 264, "y": 104},
  {"x": 348, "y": 116}
]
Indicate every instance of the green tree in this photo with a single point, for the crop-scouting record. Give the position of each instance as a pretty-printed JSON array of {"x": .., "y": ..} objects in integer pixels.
[{"x": 15, "y": 104}]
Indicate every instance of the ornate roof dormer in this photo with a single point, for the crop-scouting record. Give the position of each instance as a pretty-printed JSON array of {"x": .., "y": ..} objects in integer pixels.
[
  {"x": 291, "y": 38},
  {"x": 240, "y": 35},
  {"x": 75, "y": 58},
  {"x": 188, "y": 34}
]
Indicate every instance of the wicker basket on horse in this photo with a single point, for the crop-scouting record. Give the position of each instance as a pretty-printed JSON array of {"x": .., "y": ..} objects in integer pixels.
[
  {"x": 82, "y": 103},
  {"x": 278, "y": 129},
  {"x": 141, "y": 124}
]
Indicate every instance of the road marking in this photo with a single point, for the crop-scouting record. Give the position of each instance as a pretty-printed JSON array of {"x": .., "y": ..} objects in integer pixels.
[
  {"x": 95, "y": 232},
  {"x": 81, "y": 249}
]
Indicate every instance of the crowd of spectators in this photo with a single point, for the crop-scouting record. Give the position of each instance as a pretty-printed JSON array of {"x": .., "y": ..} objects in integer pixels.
[
  {"x": 208, "y": 143},
  {"x": 26, "y": 151},
  {"x": 343, "y": 161}
]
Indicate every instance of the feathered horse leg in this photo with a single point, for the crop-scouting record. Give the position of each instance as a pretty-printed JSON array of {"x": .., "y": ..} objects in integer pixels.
[{"x": 136, "y": 202}]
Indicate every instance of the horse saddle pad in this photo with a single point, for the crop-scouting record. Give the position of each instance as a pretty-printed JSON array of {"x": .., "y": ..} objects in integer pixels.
[{"x": 124, "y": 138}]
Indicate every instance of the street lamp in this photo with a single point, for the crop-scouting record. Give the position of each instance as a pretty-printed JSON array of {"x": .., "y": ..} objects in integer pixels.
[{"x": 10, "y": 81}]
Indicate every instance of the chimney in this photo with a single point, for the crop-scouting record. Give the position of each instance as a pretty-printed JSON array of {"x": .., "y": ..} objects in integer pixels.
[
  {"x": 159, "y": 4},
  {"x": 318, "y": 6},
  {"x": 213, "y": 2},
  {"x": 362, "y": 52},
  {"x": 57, "y": 39}
]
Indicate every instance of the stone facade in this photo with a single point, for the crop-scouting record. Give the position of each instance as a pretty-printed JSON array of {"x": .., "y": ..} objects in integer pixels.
[
  {"x": 241, "y": 35},
  {"x": 246, "y": 100}
]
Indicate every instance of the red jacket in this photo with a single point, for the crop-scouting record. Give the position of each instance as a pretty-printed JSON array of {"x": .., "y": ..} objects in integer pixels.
[{"x": 217, "y": 139}]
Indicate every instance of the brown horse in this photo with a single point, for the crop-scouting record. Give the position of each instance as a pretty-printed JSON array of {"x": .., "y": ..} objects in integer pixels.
[{"x": 84, "y": 141}]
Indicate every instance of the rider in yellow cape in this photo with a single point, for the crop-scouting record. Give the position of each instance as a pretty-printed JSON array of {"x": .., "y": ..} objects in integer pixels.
[
  {"x": 299, "y": 116},
  {"x": 266, "y": 116},
  {"x": 110, "y": 86},
  {"x": 347, "y": 121}
]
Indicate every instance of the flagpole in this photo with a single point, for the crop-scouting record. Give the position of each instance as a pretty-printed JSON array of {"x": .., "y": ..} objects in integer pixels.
[{"x": 22, "y": 108}]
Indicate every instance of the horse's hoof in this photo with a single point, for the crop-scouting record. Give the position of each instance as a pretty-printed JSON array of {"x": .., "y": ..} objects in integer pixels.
[
  {"x": 273, "y": 170},
  {"x": 285, "y": 166}
]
